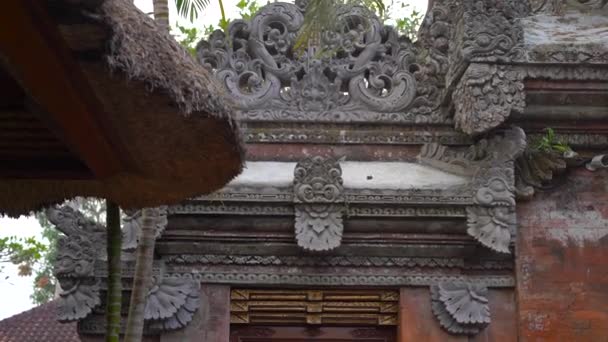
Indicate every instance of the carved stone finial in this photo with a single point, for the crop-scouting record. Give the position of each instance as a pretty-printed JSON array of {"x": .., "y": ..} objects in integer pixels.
[
  {"x": 491, "y": 164},
  {"x": 318, "y": 198},
  {"x": 461, "y": 308},
  {"x": 77, "y": 251},
  {"x": 171, "y": 303}
]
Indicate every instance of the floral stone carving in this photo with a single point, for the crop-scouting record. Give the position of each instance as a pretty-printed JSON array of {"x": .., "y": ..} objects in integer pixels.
[
  {"x": 319, "y": 204},
  {"x": 77, "y": 252},
  {"x": 461, "y": 308},
  {"x": 491, "y": 163},
  {"x": 362, "y": 71},
  {"x": 171, "y": 303}
]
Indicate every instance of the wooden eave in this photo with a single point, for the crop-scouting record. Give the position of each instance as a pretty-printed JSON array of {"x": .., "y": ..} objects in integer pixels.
[{"x": 48, "y": 105}]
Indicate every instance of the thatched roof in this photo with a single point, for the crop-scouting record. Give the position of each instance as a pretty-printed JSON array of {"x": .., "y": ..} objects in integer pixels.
[{"x": 160, "y": 128}]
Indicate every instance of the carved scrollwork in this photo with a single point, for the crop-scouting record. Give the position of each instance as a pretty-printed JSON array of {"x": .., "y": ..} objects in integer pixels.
[
  {"x": 131, "y": 226},
  {"x": 557, "y": 7},
  {"x": 361, "y": 71},
  {"x": 171, "y": 303},
  {"x": 485, "y": 97},
  {"x": 461, "y": 308},
  {"x": 77, "y": 251},
  {"x": 318, "y": 198},
  {"x": 491, "y": 163}
]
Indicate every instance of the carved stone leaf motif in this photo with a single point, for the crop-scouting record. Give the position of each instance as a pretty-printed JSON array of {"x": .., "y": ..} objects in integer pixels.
[
  {"x": 131, "y": 226},
  {"x": 461, "y": 308},
  {"x": 78, "y": 301},
  {"x": 318, "y": 198},
  {"x": 171, "y": 303},
  {"x": 359, "y": 72},
  {"x": 491, "y": 226},
  {"x": 77, "y": 251},
  {"x": 491, "y": 163},
  {"x": 486, "y": 96}
]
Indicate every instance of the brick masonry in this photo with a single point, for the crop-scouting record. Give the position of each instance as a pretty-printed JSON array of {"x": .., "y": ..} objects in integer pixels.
[{"x": 562, "y": 261}]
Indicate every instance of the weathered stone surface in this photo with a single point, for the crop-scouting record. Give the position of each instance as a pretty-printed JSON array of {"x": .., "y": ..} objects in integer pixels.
[{"x": 561, "y": 261}]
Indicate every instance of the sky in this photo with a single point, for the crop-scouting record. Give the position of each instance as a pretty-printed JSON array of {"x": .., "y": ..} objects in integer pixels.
[{"x": 16, "y": 290}]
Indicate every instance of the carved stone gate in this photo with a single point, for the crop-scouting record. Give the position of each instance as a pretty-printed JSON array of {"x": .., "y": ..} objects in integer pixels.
[{"x": 387, "y": 166}]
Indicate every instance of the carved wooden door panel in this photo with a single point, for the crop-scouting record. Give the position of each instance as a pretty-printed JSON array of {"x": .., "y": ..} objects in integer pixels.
[{"x": 251, "y": 333}]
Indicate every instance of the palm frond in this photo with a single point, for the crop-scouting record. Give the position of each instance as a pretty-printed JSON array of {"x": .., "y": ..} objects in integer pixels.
[
  {"x": 320, "y": 17},
  {"x": 190, "y": 8}
]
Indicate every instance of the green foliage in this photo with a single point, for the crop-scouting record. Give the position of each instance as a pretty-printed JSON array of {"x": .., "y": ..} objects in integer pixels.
[
  {"x": 247, "y": 8},
  {"x": 549, "y": 143},
  {"x": 408, "y": 26},
  {"x": 188, "y": 38},
  {"x": 23, "y": 252},
  {"x": 190, "y": 8},
  {"x": 321, "y": 15}
]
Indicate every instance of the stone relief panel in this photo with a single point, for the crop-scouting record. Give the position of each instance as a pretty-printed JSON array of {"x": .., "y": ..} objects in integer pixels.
[
  {"x": 319, "y": 203},
  {"x": 461, "y": 308},
  {"x": 364, "y": 71},
  {"x": 491, "y": 218}
]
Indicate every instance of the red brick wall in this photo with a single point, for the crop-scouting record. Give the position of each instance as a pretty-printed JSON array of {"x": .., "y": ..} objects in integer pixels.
[{"x": 562, "y": 261}]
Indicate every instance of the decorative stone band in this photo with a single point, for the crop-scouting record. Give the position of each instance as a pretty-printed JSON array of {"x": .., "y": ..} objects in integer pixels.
[
  {"x": 461, "y": 307},
  {"x": 491, "y": 220},
  {"x": 318, "y": 203},
  {"x": 310, "y": 279}
]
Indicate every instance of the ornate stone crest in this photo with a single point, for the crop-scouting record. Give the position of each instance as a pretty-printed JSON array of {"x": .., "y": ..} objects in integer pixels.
[
  {"x": 319, "y": 203},
  {"x": 363, "y": 71}
]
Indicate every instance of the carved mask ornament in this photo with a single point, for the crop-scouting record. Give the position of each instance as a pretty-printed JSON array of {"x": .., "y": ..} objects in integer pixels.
[{"x": 319, "y": 203}]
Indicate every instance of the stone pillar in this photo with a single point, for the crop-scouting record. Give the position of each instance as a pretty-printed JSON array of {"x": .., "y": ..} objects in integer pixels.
[{"x": 212, "y": 321}]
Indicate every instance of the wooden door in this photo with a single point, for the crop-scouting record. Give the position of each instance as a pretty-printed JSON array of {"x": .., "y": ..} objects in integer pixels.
[{"x": 252, "y": 333}]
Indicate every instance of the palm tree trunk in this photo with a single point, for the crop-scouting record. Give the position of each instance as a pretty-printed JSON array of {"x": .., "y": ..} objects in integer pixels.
[
  {"x": 161, "y": 13},
  {"x": 143, "y": 275},
  {"x": 114, "y": 299}
]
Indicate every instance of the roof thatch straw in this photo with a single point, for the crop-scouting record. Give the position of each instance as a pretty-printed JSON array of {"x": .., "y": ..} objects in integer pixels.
[{"x": 166, "y": 115}]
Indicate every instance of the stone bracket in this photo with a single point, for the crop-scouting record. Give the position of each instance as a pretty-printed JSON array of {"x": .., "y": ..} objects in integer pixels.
[
  {"x": 318, "y": 203},
  {"x": 491, "y": 217},
  {"x": 461, "y": 308}
]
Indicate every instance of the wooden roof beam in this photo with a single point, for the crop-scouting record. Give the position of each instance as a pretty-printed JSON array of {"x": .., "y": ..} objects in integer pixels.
[{"x": 38, "y": 57}]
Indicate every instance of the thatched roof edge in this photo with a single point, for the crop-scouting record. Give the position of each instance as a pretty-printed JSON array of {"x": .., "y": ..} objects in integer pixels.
[{"x": 146, "y": 52}]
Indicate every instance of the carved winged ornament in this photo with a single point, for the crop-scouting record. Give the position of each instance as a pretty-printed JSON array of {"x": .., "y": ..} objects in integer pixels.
[
  {"x": 491, "y": 163},
  {"x": 362, "y": 71},
  {"x": 461, "y": 308}
]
